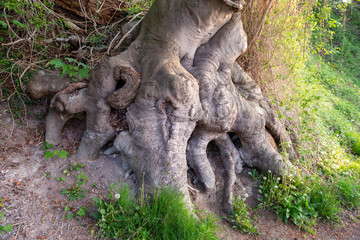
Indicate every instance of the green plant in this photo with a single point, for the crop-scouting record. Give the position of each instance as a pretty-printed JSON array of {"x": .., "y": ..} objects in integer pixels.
[
  {"x": 47, "y": 175},
  {"x": 7, "y": 228},
  {"x": 75, "y": 214},
  {"x": 76, "y": 166},
  {"x": 289, "y": 197},
  {"x": 76, "y": 70},
  {"x": 124, "y": 217},
  {"x": 253, "y": 174},
  {"x": 240, "y": 217},
  {"x": 137, "y": 7},
  {"x": 50, "y": 154},
  {"x": 76, "y": 192},
  {"x": 61, "y": 179},
  {"x": 73, "y": 167}
]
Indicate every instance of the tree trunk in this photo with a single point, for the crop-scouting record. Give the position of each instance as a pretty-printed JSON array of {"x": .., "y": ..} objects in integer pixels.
[{"x": 183, "y": 90}]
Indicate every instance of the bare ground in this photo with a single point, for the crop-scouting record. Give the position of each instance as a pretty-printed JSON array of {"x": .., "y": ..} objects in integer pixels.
[{"x": 33, "y": 204}]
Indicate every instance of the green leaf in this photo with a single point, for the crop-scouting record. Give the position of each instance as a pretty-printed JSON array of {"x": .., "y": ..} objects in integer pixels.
[
  {"x": 3, "y": 24},
  {"x": 70, "y": 216},
  {"x": 56, "y": 152},
  {"x": 67, "y": 209},
  {"x": 70, "y": 60},
  {"x": 57, "y": 63},
  {"x": 48, "y": 154},
  {"x": 83, "y": 73},
  {"x": 81, "y": 212},
  {"x": 63, "y": 154},
  {"x": 8, "y": 228},
  {"x": 19, "y": 24}
]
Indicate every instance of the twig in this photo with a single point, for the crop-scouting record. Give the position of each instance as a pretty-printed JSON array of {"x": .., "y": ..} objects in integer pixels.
[
  {"x": 59, "y": 15},
  {"x": 193, "y": 189},
  {"x": 17, "y": 232},
  {"x": 15, "y": 91},
  {"x": 127, "y": 34},
  {"x": 8, "y": 24},
  {"x": 260, "y": 27},
  {"x": 15, "y": 42},
  {"x": 25, "y": 70},
  {"x": 117, "y": 35},
  {"x": 13, "y": 124}
]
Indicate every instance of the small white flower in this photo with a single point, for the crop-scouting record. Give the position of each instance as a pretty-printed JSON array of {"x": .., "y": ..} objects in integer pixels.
[
  {"x": 117, "y": 196},
  {"x": 269, "y": 171},
  {"x": 246, "y": 195},
  {"x": 278, "y": 179},
  {"x": 290, "y": 175},
  {"x": 345, "y": 173},
  {"x": 276, "y": 186},
  {"x": 264, "y": 178}
]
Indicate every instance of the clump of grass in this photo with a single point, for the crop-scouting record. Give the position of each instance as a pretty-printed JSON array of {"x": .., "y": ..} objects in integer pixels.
[
  {"x": 348, "y": 191},
  {"x": 301, "y": 200},
  {"x": 163, "y": 216},
  {"x": 241, "y": 218},
  {"x": 322, "y": 197}
]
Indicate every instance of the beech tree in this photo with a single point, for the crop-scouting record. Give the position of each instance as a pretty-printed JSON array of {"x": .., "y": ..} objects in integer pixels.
[{"x": 183, "y": 89}]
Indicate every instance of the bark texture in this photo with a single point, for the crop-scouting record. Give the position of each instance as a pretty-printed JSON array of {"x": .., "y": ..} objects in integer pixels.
[{"x": 183, "y": 89}]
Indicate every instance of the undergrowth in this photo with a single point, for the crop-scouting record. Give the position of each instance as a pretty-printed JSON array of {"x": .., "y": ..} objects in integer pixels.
[
  {"x": 325, "y": 110},
  {"x": 163, "y": 216},
  {"x": 241, "y": 218}
]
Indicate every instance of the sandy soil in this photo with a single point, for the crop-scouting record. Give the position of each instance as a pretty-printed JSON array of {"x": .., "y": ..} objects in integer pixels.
[{"x": 33, "y": 204}]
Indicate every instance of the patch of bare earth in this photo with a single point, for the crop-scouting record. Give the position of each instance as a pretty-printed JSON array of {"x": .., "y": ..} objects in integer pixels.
[{"x": 33, "y": 204}]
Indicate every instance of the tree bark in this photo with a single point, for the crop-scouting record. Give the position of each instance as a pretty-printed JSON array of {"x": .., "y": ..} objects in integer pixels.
[{"x": 186, "y": 90}]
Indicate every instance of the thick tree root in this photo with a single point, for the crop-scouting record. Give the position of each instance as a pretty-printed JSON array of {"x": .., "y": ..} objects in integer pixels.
[{"x": 181, "y": 92}]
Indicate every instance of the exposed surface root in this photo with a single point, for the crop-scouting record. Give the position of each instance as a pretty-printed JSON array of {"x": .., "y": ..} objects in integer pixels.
[{"x": 181, "y": 91}]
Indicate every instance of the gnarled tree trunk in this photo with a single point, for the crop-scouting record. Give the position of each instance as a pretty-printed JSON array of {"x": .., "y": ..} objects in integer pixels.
[{"x": 183, "y": 89}]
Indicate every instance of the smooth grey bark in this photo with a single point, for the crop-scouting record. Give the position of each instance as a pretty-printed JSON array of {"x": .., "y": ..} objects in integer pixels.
[{"x": 183, "y": 90}]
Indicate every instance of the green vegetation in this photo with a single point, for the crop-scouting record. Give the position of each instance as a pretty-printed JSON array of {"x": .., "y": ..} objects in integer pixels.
[
  {"x": 7, "y": 228},
  {"x": 76, "y": 192},
  {"x": 240, "y": 217},
  {"x": 76, "y": 70},
  {"x": 76, "y": 214},
  {"x": 325, "y": 102},
  {"x": 133, "y": 8},
  {"x": 50, "y": 154},
  {"x": 125, "y": 217}
]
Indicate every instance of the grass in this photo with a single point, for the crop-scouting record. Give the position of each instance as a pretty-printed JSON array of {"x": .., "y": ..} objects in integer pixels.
[
  {"x": 240, "y": 217},
  {"x": 326, "y": 103},
  {"x": 163, "y": 216}
]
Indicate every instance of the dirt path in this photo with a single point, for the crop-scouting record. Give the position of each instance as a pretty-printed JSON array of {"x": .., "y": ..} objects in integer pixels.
[{"x": 33, "y": 204}]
